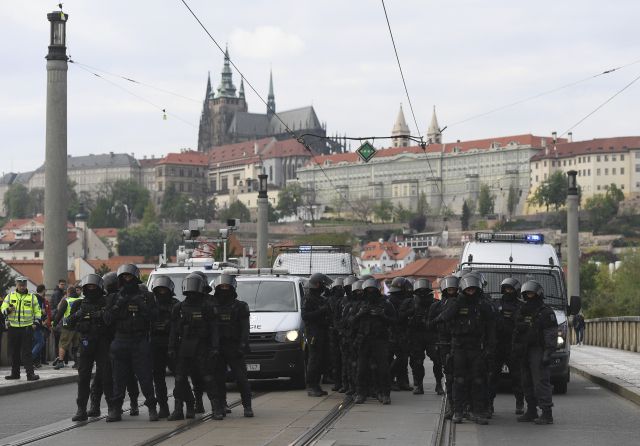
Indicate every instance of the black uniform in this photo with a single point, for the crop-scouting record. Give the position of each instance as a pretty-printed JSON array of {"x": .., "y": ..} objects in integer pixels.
[
  {"x": 232, "y": 320},
  {"x": 373, "y": 321},
  {"x": 335, "y": 334},
  {"x": 349, "y": 332},
  {"x": 131, "y": 312},
  {"x": 87, "y": 318},
  {"x": 399, "y": 340},
  {"x": 534, "y": 340},
  {"x": 316, "y": 314}
]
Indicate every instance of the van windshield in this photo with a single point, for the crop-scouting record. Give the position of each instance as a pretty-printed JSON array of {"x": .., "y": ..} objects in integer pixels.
[
  {"x": 178, "y": 277},
  {"x": 268, "y": 296}
]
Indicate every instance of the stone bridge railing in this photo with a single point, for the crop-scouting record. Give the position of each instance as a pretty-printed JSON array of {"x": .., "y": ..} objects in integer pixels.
[{"x": 613, "y": 332}]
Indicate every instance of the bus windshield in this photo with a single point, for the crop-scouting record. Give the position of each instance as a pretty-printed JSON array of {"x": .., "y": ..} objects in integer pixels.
[{"x": 268, "y": 296}]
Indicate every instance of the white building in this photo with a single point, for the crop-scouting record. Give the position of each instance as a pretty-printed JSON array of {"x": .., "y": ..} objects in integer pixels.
[{"x": 382, "y": 257}]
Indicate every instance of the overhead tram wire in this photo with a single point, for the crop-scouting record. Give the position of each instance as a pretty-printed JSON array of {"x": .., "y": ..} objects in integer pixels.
[
  {"x": 159, "y": 107},
  {"x": 298, "y": 138},
  {"x": 543, "y": 93},
  {"x": 600, "y": 106},
  {"x": 423, "y": 144}
]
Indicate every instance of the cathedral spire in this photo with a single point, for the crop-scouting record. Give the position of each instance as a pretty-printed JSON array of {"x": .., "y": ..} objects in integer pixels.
[
  {"x": 271, "y": 99},
  {"x": 400, "y": 130},
  {"x": 241, "y": 91},
  {"x": 434, "y": 135},
  {"x": 226, "y": 88},
  {"x": 208, "y": 92}
]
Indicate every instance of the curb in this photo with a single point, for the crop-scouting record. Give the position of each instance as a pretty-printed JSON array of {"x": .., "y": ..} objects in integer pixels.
[
  {"x": 615, "y": 385},
  {"x": 40, "y": 384}
]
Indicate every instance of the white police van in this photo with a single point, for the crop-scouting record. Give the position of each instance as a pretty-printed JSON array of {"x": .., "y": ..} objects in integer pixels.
[
  {"x": 178, "y": 272},
  {"x": 304, "y": 260},
  {"x": 526, "y": 257},
  {"x": 276, "y": 336}
]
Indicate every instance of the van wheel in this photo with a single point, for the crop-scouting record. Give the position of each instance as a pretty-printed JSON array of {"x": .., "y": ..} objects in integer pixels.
[{"x": 560, "y": 387}]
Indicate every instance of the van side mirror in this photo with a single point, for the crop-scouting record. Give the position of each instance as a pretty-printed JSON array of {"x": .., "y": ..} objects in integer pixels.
[{"x": 575, "y": 305}]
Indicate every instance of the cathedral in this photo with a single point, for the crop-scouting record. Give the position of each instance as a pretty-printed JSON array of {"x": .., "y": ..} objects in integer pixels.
[{"x": 225, "y": 119}]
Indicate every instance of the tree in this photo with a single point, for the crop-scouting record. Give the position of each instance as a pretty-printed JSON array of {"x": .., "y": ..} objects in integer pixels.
[
  {"x": 338, "y": 203},
  {"x": 36, "y": 201},
  {"x": 466, "y": 216},
  {"x": 105, "y": 215},
  {"x": 383, "y": 210},
  {"x": 603, "y": 208},
  {"x": 551, "y": 192},
  {"x": 173, "y": 205},
  {"x": 141, "y": 240},
  {"x": 289, "y": 199},
  {"x": 273, "y": 215},
  {"x": 7, "y": 280},
  {"x": 423, "y": 206},
  {"x": 16, "y": 200},
  {"x": 418, "y": 222},
  {"x": 512, "y": 200},
  {"x": 237, "y": 209},
  {"x": 486, "y": 201},
  {"x": 132, "y": 195},
  {"x": 149, "y": 216},
  {"x": 401, "y": 215},
  {"x": 73, "y": 201}
]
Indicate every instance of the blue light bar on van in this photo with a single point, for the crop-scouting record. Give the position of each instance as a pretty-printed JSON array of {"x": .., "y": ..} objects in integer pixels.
[{"x": 508, "y": 237}]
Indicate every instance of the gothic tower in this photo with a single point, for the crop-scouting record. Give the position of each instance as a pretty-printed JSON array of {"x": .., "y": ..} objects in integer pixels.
[
  {"x": 434, "y": 135},
  {"x": 400, "y": 131},
  {"x": 271, "y": 99},
  {"x": 205, "y": 131}
]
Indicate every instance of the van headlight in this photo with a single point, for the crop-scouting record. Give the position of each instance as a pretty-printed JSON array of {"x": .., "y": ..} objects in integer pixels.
[
  {"x": 560, "y": 340},
  {"x": 287, "y": 336}
]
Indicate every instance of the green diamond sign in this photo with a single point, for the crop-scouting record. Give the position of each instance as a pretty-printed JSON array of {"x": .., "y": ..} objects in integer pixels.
[{"x": 366, "y": 151}]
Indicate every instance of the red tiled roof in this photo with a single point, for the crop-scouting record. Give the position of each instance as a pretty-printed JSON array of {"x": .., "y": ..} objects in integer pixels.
[
  {"x": 149, "y": 162},
  {"x": 285, "y": 148},
  {"x": 430, "y": 268},
  {"x": 190, "y": 158},
  {"x": 242, "y": 151},
  {"x": 106, "y": 232},
  {"x": 35, "y": 242},
  {"x": 19, "y": 223},
  {"x": 374, "y": 250},
  {"x": 34, "y": 270},
  {"x": 450, "y": 147},
  {"x": 590, "y": 147}
]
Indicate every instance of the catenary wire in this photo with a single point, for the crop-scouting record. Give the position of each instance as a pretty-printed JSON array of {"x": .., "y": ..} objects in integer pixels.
[{"x": 153, "y": 104}]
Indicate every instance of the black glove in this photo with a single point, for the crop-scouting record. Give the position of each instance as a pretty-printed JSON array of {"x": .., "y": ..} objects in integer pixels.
[{"x": 546, "y": 358}]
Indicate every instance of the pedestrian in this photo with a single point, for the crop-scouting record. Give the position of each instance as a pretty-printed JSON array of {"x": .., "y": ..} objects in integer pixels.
[
  {"x": 22, "y": 313},
  {"x": 38, "y": 332},
  {"x": 578, "y": 327},
  {"x": 163, "y": 289},
  {"x": 69, "y": 338},
  {"x": 131, "y": 312},
  {"x": 232, "y": 324},
  {"x": 316, "y": 313},
  {"x": 48, "y": 319},
  {"x": 56, "y": 297},
  {"x": 87, "y": 319},
  {"x": 534, "y": 341}
]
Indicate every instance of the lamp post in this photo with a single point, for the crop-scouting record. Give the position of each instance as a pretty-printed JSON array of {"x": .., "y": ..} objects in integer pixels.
[
  {"x": 573, "y": 247},
  {"x": 263, "y": 221},
  {"x": 55, "y": 201}
]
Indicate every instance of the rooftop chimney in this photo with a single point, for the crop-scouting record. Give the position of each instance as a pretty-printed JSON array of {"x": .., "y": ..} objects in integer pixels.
[{"x": 570, "y": 137}]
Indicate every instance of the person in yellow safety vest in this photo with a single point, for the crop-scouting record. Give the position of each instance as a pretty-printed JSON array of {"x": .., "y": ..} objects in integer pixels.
[
  {"x": 23, "y": 313},
  {"x": 69, "y": 338}
]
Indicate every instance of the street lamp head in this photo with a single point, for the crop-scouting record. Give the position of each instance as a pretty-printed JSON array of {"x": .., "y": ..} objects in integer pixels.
[
  {"x": 572, "y": 182},
  {"x": 262, "y": 186},
  {"x": 58, "y": 35}
]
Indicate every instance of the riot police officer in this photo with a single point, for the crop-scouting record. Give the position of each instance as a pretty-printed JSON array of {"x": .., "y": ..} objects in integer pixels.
[
  {"x": 507, "y": 308},
  {"x": 316, "y": 314},
  {"x": 343, "y": 334},
  {"x": 130, "y": 312},
  {"x": 232, "y": 320},
  {"x": 374, "y": 319},
  {"x": 336, "y": 294},
  {"x": 87, "y": 318},
  {"x": 163, "y": 290},
  {"x": 422, "y": 338},
  {"x": 534, "y": 341},
  {"x": 448, "y": 293},
  {"x": 399, "y": 342},
  {"x": 473, "y": 337},
  {"x": 351, "y": 332},
  {"x": 193, "y": 343}
]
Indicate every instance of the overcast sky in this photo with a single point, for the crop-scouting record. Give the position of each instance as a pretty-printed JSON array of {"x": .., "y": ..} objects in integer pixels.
[{"x": 464, "y": 56}]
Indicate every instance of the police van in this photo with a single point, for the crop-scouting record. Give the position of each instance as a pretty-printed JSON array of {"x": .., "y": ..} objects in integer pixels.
[
  {"x": 304, "y": 260},
  {"x": 526, "y": 257},
  {"x": 276, "y": 336},
  {"x": 177, "y": 272}
]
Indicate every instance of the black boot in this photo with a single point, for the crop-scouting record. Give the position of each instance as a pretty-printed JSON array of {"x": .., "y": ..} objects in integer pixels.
[
  {"x": 32, "y": 377},
  {"x": 519, "y": 406},
  {"x": 418, "y": 390},
  {"x": 248, "y": 412},
  {"x": 94, "y": 409},
  {"x": 135, "y": 410},
  {"x": 81, "y": 414},
  {"x": 479, "y": 418},
  {"x": 153, "y": 412},
  {"x": 218, "y": 410},
  {"x": 316, "y": 391},
  {"x": 191, "y": 411},
  {"x": 114, "y": 413},
  {"x": 177, "y": 413},
  {"x": 546, "y": 417},
  {"x": 457, "y": 418},
  {"x": 530, "y": 415},
  {"x": 360, "y": 398},
  {"x": 12, "y": 376},
  {"x": 439, "y": 389},
  {"x": 386, "y": 399},
  {"x": 404, "y": 385},
  {"x": 198, "y": 404},
  {"x": 164, "y": 409}
]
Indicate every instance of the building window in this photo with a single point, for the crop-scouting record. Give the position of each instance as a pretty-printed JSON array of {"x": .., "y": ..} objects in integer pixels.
[
  {"x": 159, "y": 171},
  {"x": 189, "y": 186},
  {"x": 224, "y": 184},
  {"x": 36, "y": 254},
  {"x": 544, "y": 163},
  {"x": 598, "y": 187},
  {"x": 189, "y": 172},
  {"x": 536, "y": 165},
  {"x": 621, "y": 157},
  {"x": 622, "y": 171},
  {"x": 606, "y": 157},
  {"x": 613, "y": 157},
  {"x": 622, "y": 186},
  {"x": 236, "y": 180},
  {"x": 598, "y": 172},
  {"x": 598, "y": 158},
  {"x": 589, "y": 172},
  {"x": 606, "y": 171},
  {"x": 553, "y": 164},
  {"x": 613, "y": 171},
  {"x": 536, "y": 178},
  {"x": 172, "y": 172},
  {"x": 212, "y": 185},
  {"x": 159, "y": 187},
  {"x": 181, "y": 187},
  {"x": 589, "y": 158}
]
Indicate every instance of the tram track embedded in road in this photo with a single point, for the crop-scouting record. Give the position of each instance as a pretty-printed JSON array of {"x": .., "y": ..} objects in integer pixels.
[
  {"x": 445, "y": 433},
  {"x": 316, "y": 431}
]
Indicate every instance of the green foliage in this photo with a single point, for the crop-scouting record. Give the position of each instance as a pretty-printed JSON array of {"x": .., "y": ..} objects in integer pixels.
[
  {"x": 289, "y": 199},
  {"x": 36, "y": 201},
  {"x": 324, "y": 239},
  {"x": 131, "y": 194},
  {"x": 552, "y": 192},
  {"x": 16, "y": 200},
  {"x": 603, "y": 208},
  {"x": 237, "y": 209},
  {"x": 383, "y": 210},
  {"x": 105, "y": 215},
  {"x": 141, "y": 241},
  {"x": 401, "y": 215},
  {"x": 466, "y": 216},
  {"x": 273, "y": 215},
  {"x": 7, "y": 280},
  {"x": 423, "y": 205},
  {"x": 149, "y": 216},
  {"x": 486, "y": 201}
]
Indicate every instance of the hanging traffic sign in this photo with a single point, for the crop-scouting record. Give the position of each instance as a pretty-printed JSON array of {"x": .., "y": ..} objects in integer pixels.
[{"x": 366, "y": 151}]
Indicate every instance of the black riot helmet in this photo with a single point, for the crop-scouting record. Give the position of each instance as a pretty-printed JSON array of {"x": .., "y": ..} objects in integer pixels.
[
  {"x": 510, "y": 282},
  {"x": 92, "y": 279},
  {"x": 470, "y": 281},
  {"x": 397, "y": 285},
  {"x": 110, "y": 282},
  {"x": 193, "y": 283},
  {"x": 478, "y": 274},
  {"x": 371, "y": 285},
  {"x": 337, "y": 287},
  {"x": 408, "y": 286},
  {"x": 163, "y": 282},
  {"x": 319, "y": 281},
  {"x": 356, "y": 288},
  {"x": 129, "y": 268},
  {"x": 422, "y": 286},
  {"x": 207, "y": 288},
  {"x": 532, "y": 290},
  {"x": 226, "y": 281},
  {"x": 365, "y": 277},
  {"x": 348, "y": 282},
  {"x": 449, "y": 282}
]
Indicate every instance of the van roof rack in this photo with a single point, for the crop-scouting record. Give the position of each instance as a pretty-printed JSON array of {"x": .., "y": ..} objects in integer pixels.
[
  {"x": 509, "y": 237},
  {"x": 256, "y": 271}
]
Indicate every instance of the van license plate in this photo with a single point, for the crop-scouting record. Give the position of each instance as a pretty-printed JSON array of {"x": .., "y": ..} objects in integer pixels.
[{"x": 253, "y": 367}]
